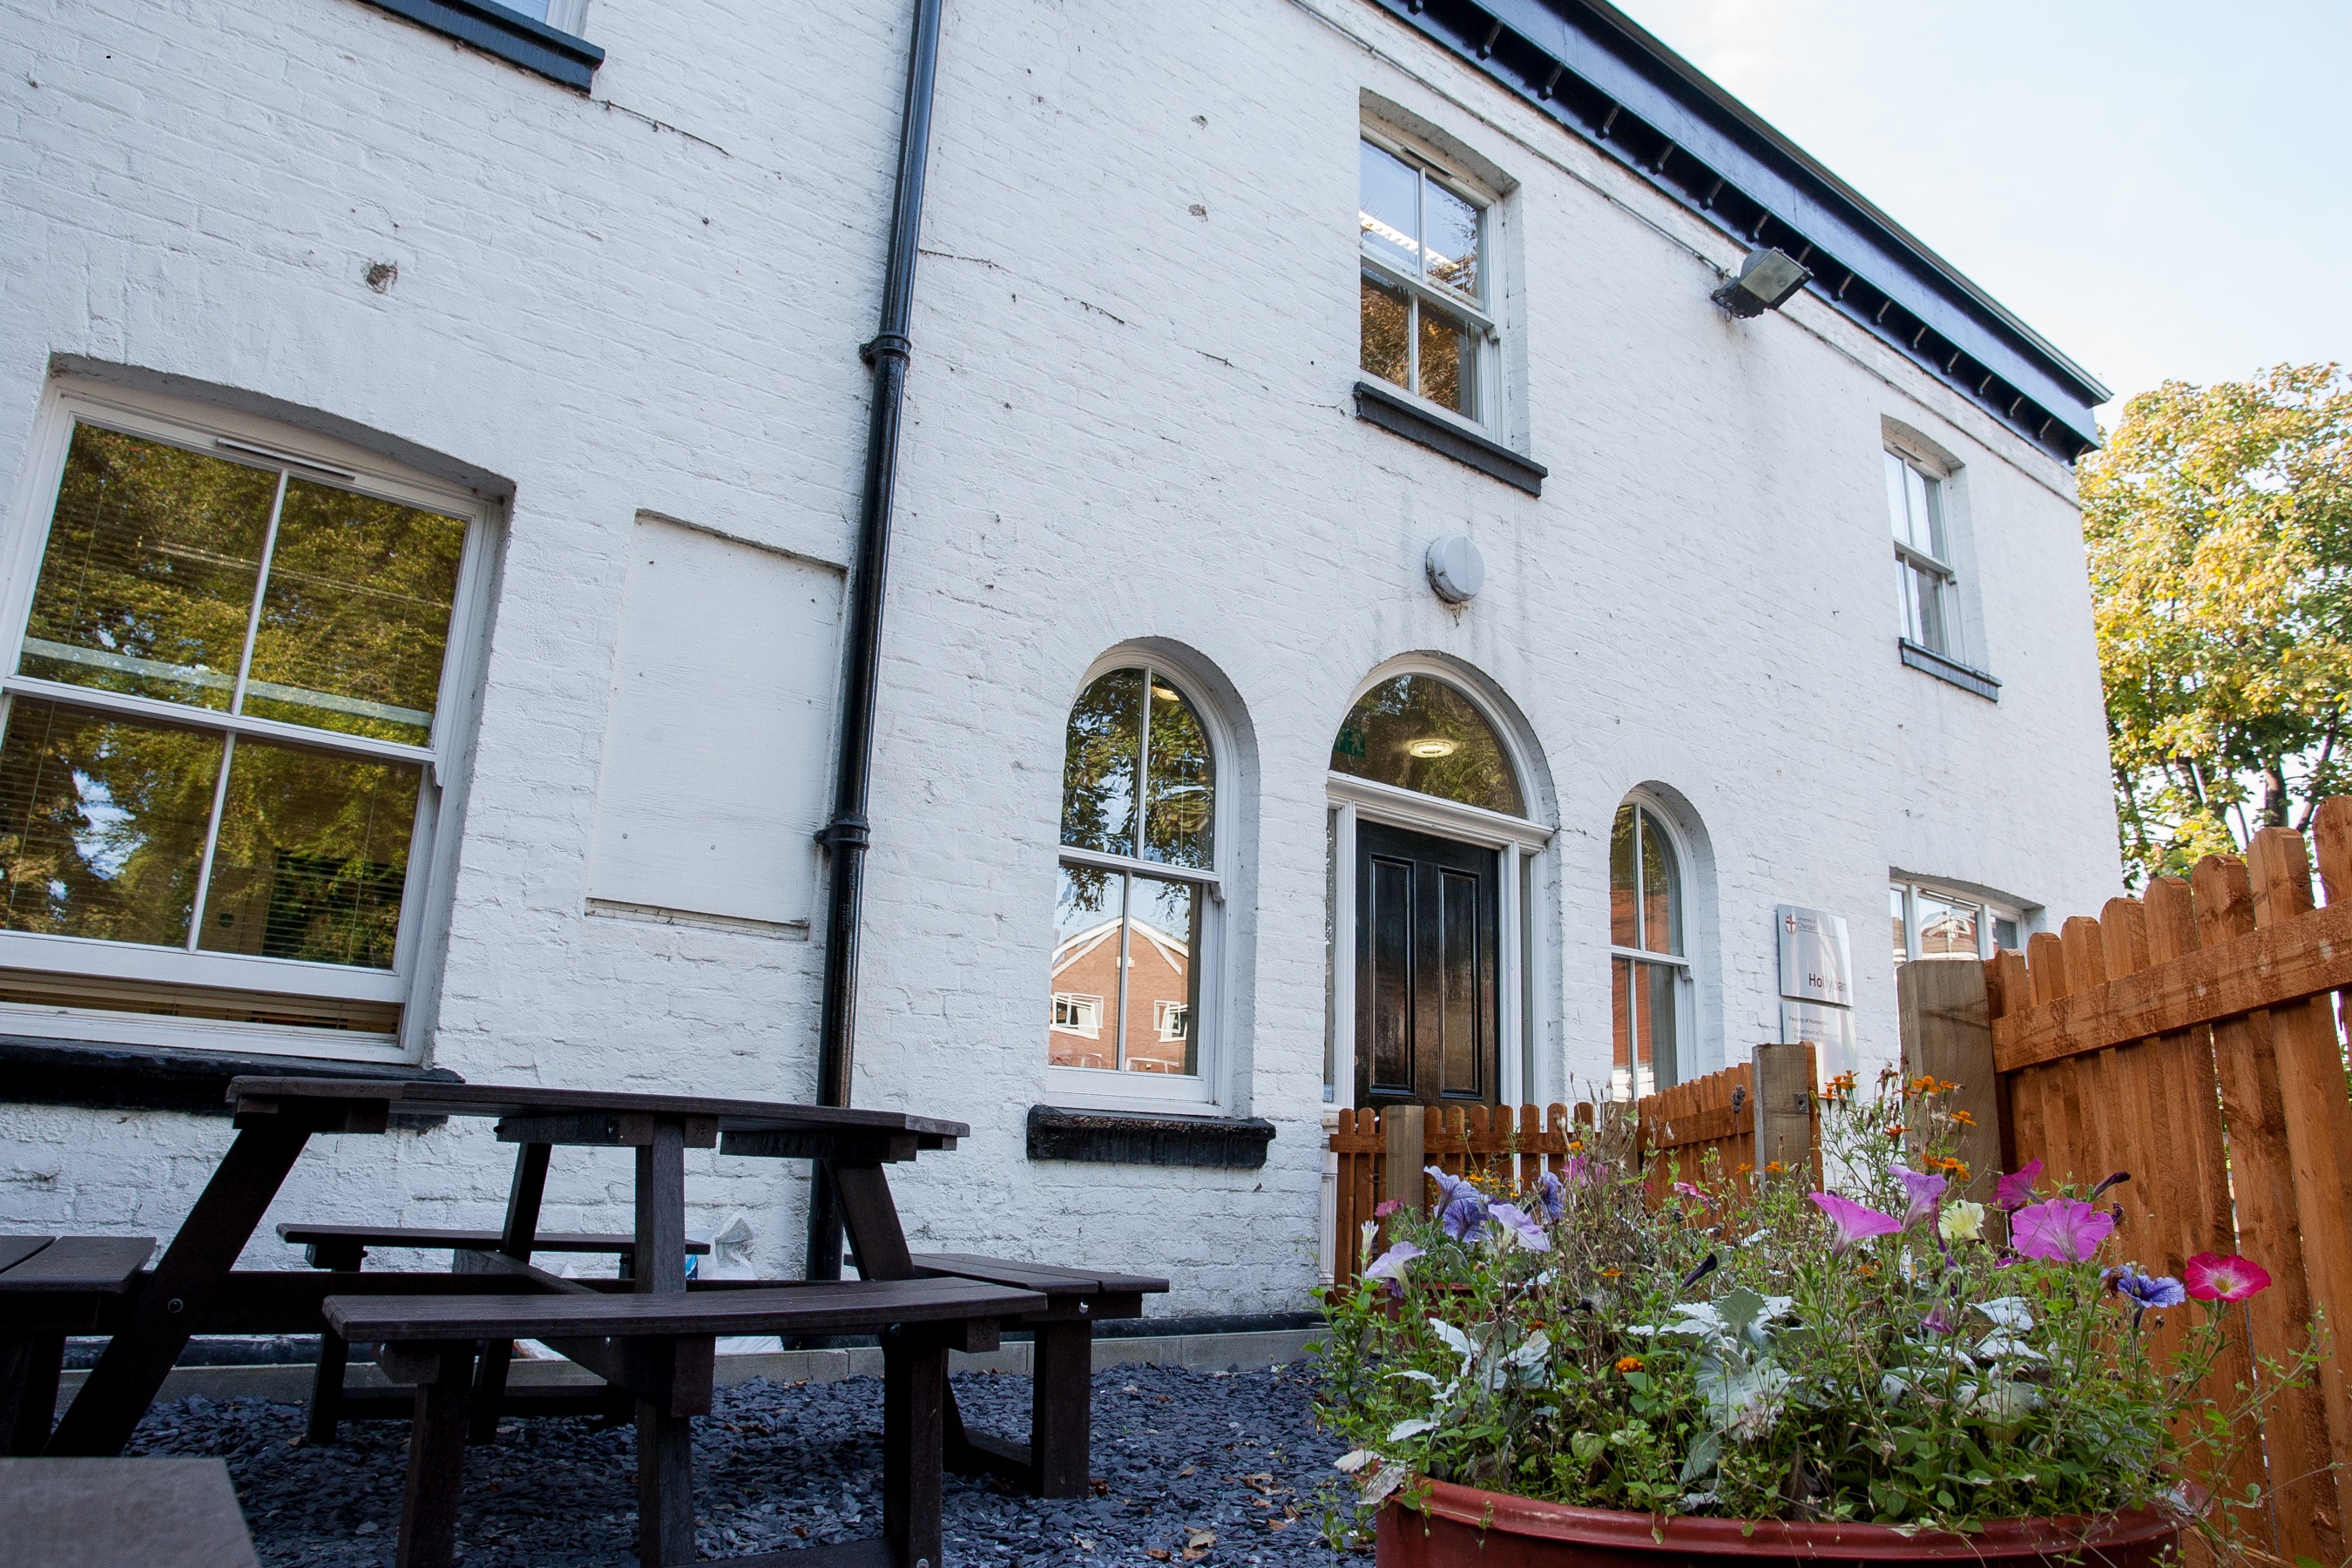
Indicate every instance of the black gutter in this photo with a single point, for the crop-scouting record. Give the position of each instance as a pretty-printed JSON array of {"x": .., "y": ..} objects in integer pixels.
[{"x": 847, "y": 834}]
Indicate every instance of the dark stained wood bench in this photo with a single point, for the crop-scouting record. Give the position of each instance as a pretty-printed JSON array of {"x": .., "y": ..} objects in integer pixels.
[
  {"x": 344, "y": 1249},
  {"x": 157, "y": 1513},
  {"x": 1055, "y": 1460},
  {"x": 52, "y": 1286},
  {"x": 660, "y": 1347}
]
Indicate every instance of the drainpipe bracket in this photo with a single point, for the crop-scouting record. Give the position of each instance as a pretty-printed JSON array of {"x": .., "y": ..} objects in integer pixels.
[
  {"x": 896, "y": 346},
  {"x": 849, "y": 831}
]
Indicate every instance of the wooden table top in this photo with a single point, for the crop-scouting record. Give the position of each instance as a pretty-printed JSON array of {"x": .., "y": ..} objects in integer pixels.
[
  {"x": 71, "y": 1264},
  {"x": 429, "y": 1097},
  {"x": 159, "y": 1513}
]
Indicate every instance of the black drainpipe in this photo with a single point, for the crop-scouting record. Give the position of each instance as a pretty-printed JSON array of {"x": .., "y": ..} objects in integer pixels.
[{"x": 846, "y": 834}]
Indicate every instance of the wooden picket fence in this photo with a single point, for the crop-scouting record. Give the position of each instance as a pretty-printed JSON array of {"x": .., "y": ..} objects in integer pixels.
[
  {"x": 2191, "y": 1038},
  {"x": 1669, "y": 1135}
]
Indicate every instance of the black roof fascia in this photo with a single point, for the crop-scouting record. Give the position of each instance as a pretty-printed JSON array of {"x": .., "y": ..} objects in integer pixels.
[{"x": 1531, "y": 46}]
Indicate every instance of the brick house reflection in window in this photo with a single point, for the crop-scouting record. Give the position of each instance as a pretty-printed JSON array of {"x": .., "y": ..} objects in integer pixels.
[{"x": 1137, "y": 864}]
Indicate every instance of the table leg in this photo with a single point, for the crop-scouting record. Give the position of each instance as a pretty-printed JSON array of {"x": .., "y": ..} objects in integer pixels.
[
  {"x": 327, "y": 1388},
  {"x": 872, "y": 1220},
  {"x": 436, "y": 1464},
  {"x": 140, "y": 1356},
  {"x": 914, "y": 1390},
  {"x": 28, "y": 1390},
  {"x": 522, "y": 1228},
  {"x": 665, "y": 1442},
  {"x": 1061, "y": 1407}
]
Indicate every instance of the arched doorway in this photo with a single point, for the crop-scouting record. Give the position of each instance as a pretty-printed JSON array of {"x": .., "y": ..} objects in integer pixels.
[{"x": 1431, "y": 948}]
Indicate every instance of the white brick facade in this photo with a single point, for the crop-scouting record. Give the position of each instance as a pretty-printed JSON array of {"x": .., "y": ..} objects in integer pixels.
[{"x": 1129, "y": 420}]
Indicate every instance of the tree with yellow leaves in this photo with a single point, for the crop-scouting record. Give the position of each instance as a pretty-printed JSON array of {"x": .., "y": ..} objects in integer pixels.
[{"x": 2219, "y": 524}]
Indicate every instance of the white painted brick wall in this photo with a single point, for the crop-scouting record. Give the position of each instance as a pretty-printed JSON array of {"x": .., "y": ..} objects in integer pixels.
[{"x": 1125, "y": 421}]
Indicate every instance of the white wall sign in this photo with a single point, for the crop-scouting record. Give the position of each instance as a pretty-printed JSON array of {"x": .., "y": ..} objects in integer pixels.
[
  {"x": 1830, "y": 1028},
  {"x": 1816, "y": 965}
]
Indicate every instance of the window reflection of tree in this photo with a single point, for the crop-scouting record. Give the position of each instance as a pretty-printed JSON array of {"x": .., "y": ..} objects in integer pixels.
[{"x": 1374, "y": 743}]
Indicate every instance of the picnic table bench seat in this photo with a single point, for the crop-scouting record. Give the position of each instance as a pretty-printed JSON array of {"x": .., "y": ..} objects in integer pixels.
[
  {"x": 1054, "y": 1462},
  {"x": 660, "y": 1346},
  {"x": 52, "y": 1286},
  {"x": 344, "y": 1247}
]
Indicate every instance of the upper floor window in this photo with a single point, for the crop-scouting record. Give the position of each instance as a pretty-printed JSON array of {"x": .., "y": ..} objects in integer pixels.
[
  {"x": 1924, "y": 583},
  {"x": 1929, "y": 922},
  {"x": 1138, "y": 878},
  {"x": 1650, "y": 978},
  {"x": 564, "y": 15},
  {"x": 1425, "y": 320},
  {"x": 227, "y": 724}
]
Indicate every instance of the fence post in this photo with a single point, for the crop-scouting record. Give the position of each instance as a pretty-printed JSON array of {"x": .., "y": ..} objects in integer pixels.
[
  {"x": 1784, "y": 1107},
  {"x": 1401, "y": 1177},
  {"x": 1948, "y": 1034}
]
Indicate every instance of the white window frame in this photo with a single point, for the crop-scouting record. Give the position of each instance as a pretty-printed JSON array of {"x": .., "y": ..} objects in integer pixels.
[
  {"x": 1909, "y": 559},
  {"x": 1486, "y": 337},
  {"x": 564, "y": 15},
  {"x": 1685, "y": 1040},
  {"x": 1519, "y": 841},
  {"x": 421, "y": 937},
  {"x": 1118, "y": 1088},
  {"x": 1987, "y": 910}
]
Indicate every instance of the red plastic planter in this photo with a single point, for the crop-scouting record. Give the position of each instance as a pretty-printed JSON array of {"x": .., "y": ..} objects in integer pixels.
[{"x": 1457, "y": 1527}]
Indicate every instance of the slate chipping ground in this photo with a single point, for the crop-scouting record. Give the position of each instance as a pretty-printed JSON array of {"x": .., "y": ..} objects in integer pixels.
[{"x": 1178, "y": 1455}]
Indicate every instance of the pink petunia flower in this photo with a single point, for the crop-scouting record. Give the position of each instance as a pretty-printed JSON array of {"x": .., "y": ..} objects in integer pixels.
[
  {"x": 1923, "y": 1191},
  {"x": 2015, "y": 1190},
  {"x": 2063, "y": 1230},
  {"x": 1387, "y": 1206},
  {"x": 2209, "y": 1276},
  {"x": 1684, "y": 1189},
  {"x": 1853, "y": 1221}
]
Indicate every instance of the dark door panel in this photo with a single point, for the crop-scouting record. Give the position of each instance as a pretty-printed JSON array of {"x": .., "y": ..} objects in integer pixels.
[{"x": 1426, "y": 913}]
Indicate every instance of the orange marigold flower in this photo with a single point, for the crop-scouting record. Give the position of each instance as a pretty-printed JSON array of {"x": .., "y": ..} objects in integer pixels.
[
  {"x": 1964, "y": 1118},
  {"x": 1773, "y": 1167},
  {"x": 1864, "y": 1270},
  {"x": 1898, "y": 1130},
  {"x": 1610, "y": 1273},
  {"x": 1629, "y": 1364}
]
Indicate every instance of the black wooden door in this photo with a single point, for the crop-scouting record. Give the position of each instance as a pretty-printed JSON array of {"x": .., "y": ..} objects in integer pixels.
[{"x": 1425, "y": 975}]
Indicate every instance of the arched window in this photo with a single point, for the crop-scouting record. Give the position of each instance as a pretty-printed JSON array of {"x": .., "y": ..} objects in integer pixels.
[
  {"x": 1138, "y": 873},
  {"x": 1649, "y": 960},
  {"x": 1419, "y": 734}
]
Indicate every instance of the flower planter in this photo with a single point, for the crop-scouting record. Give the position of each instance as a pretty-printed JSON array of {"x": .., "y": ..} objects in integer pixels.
[{"x": 1456, "y": 1527}]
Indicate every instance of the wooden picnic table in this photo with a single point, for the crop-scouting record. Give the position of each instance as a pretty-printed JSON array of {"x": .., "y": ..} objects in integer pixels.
[{"x": 274, "y": 1119}]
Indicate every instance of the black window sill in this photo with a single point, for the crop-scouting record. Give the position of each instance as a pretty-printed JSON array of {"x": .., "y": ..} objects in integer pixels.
[
  {"x": 100, "y": 1077},
  {"x": 509, "y": 35},
  {"x": 1942, "y": 669},
  {"x": 1392, "y": 411},
  {"x": 1126, "y": 1138}
]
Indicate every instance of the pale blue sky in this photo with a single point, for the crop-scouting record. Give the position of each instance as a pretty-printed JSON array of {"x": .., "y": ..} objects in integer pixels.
[{"x": 2159, "y": 188}]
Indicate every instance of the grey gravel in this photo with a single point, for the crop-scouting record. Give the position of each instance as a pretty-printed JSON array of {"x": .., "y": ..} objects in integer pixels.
[{"x": 1177, "y": 1456}]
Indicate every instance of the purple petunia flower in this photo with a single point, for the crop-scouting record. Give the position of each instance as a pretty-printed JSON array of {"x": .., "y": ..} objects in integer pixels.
[
  {"x": 1461, "y": 1207},
  {"x": 1390, "y": 1265},
  {"x": 1853, "y": 1221},
  {"x": 2145, "y": 1289},
  {"x": 2063, "y": 1230},
  {"x": 1925, "y": 1191},
  {"x": 1939, "y": 1321},
  {"x": 2015, "y": 1190},
  {"x": 1517, "y": 1223},
  {"x": 1550, "y": 1196},
  {"x": 1582, "y": 1170}
]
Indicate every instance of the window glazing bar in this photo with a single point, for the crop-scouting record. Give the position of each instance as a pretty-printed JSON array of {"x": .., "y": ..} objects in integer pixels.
[{"x": 131, "y": 706}]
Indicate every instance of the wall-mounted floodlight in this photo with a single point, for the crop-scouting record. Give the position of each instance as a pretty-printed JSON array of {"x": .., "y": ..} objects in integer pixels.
[
  {"x": 1766, "y": 280},
  {"x": 1457, "y": 569}
]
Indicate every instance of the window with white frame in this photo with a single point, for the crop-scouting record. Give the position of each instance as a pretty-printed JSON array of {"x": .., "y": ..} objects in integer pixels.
[
  {"x": 1139, "y": 877},
  {"x": 1925, "y": 584},
  {"x": 1929, "y": 921},
  {"x": 229, "y": 717},
  {"x": 564, "y": 15},
  {"x": 1650, "y": 976},
  {"x": 1426, "y": 322}
]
